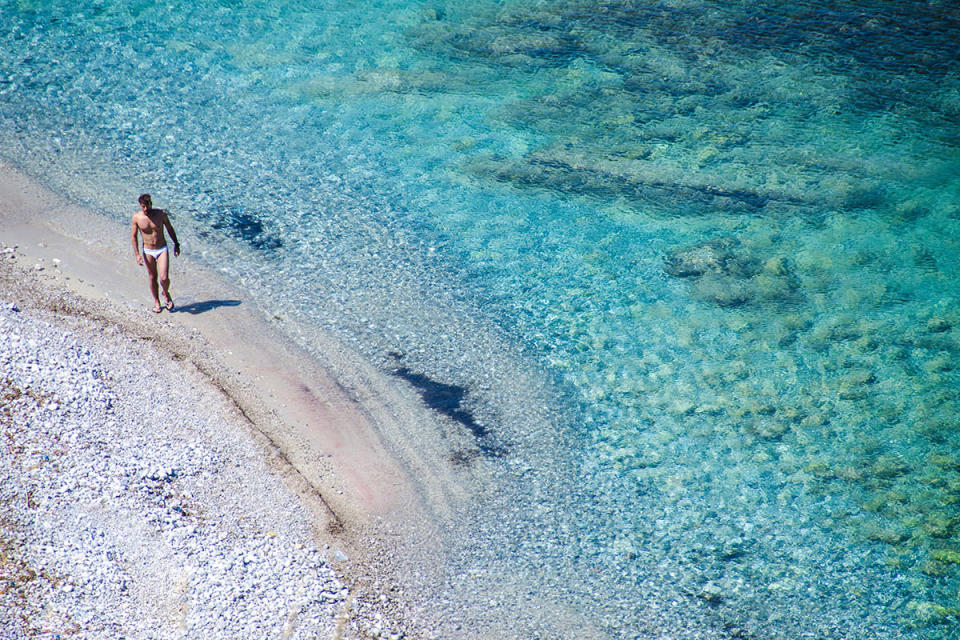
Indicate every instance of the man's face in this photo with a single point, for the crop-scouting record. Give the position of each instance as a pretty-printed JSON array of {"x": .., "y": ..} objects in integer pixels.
[{"x": 145, "y": 206}]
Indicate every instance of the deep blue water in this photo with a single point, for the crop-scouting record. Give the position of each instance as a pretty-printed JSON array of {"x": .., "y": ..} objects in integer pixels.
[{"x": 725, "y": 234}]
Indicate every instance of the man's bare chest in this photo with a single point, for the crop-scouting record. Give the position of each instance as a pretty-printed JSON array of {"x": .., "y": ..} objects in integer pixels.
[{"x": 149, "y": 224}]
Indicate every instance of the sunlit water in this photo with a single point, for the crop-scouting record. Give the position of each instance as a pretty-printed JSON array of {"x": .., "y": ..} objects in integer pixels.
[{"x": 726, "y": 233}]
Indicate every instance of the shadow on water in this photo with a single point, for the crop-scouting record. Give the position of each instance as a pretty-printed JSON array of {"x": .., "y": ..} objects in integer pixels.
[{"x": 204, "y": 306}]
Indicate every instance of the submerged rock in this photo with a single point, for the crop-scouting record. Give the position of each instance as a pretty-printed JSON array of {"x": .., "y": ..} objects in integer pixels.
[
  {"x": 947, "y": 556},
  {"x": 930, "y": 613},
  {"x": 713, "y": 256},
  {"x": 722, "y": 291},
  {"x": 889, "y": 467},
  {"x": 938, "y": 325},
  {"x": 939, "y": 363},
  {"x": 727, "y": 274},
  {"x": 886, "y": 532},
  {"x": 712, "y": 593}
]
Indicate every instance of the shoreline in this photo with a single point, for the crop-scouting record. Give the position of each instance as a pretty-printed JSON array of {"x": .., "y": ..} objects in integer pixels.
[
  {"x": 398, "y": 487},
  {"x": 273, "y": 380},
  {"x": 317, "y": 433}
]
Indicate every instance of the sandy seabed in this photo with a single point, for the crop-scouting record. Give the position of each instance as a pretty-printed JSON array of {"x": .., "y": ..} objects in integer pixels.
[{"x": 188, "y": 474}]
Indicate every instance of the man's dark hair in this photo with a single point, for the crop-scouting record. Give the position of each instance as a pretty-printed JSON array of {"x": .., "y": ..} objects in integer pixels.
[{"x": 145, "y": 199}]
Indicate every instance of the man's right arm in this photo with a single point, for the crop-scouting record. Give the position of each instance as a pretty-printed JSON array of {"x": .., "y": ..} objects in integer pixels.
[{"x": 134, "y": 230}]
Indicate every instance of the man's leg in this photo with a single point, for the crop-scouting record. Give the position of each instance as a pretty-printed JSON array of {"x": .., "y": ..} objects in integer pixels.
[
  {"x": 163, "y": 269},
  {"x": 151, "y": 264}
]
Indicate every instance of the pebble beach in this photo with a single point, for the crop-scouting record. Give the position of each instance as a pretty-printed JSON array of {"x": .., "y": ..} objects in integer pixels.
[{"x": 137, "y": 500}]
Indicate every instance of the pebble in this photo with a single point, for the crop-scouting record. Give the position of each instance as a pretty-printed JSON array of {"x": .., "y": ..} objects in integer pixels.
[{"x": 157, "y": 514}]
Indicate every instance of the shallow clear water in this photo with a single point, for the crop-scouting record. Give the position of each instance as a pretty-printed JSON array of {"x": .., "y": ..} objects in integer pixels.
[{"x": 726, "y": 233}]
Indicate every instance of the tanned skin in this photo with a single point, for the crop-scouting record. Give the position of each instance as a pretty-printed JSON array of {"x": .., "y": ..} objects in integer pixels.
[{"x": 149, "y": 224}]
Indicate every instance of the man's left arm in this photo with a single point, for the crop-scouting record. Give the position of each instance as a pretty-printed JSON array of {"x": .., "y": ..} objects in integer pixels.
[{"x": 173, "y": 234}]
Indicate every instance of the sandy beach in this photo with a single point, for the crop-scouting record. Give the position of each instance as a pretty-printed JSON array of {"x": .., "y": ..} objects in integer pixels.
[{"x": 198, "y": 443}]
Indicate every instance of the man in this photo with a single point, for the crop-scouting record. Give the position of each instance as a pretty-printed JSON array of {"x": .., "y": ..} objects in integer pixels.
[{"x": 149, "y": 223}]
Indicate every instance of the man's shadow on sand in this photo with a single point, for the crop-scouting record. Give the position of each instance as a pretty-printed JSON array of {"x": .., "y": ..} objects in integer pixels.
[{"x": 202, "y": 307}]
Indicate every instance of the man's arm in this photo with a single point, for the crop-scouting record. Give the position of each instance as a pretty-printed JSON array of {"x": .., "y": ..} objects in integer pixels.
[
  {"x": 134, "y": 230},
  {"x": 173, "y": 234}
]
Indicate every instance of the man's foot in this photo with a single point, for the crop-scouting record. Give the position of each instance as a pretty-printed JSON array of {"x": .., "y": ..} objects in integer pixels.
[
  {"x": 169, "y": 301},
  {"x": 157, "y": 309}
]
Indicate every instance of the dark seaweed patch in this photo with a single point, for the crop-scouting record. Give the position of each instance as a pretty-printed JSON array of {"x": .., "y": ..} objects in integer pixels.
[
  {"x": 463, "y": 457},
  {"x": 248, "y": 228},
  {"x": 888, "y": 55},
  {"x": 557, "y": 175},
  {"x": 447, "y": 399}
]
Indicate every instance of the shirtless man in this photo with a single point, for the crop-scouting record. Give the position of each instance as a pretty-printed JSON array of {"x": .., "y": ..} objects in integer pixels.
[{"x": 149, "y": 223}]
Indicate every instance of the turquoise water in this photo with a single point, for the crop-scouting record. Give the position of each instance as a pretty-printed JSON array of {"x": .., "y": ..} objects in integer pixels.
[{"x": 725, "y": 233}]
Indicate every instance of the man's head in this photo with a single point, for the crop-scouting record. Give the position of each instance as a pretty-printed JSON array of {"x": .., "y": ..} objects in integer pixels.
[{"x": 145, "y": 201}]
